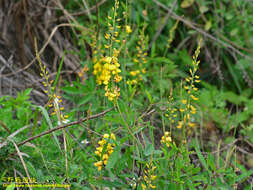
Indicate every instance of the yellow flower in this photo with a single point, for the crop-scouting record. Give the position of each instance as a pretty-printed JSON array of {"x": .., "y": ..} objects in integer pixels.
[
  {"x": 191, "y": 124},
  {"x": 152, "y": 186},
  {"x": 143, "y": 186},
  {"x": 102, "y": 142},
  {"x": 193, "y": 97},
  {"x": 153, "y": 177},
  {"x": 184, "y": 101},
  {"x": 118, "y": 78},
  {"x": 107, "y": 36},
  {"x": 180, "y": 124},
  {"x": 113, "y": 136},
  {"x": 133, "y": 73},
  {"x": 128, "y": 29},
  {"x": 105, "y": 157}
]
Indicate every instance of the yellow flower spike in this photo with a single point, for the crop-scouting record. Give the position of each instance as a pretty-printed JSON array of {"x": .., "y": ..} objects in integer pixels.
[{"x": 143, "y": 186}]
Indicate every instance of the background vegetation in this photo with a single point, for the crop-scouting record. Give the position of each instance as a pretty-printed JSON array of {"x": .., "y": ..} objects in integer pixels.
[{"x": 127, "y": 94}]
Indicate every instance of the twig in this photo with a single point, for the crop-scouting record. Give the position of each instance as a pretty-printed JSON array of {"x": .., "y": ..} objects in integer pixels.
[
  {"x": 22, "y": 161},
  {"x": 87, "y": 9},
  {"x": 44, "y": 46},
  {"x": 64, "y": 126},
  {"x": 5, "y": 127}
]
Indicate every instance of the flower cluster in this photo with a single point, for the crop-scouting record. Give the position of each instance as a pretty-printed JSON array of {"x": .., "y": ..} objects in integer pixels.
[
  {"x": 107, "y": 67},
  {"x": 139, "y": 60},
  {"x": 54, "y": 100},
  {"x": 105, "y": 149},
  {"x": 187, "y": 108},
  {"x": 166, "y": 139},
  {"x": 149, "y": 176},
  {"x": 172, "y": 112}
]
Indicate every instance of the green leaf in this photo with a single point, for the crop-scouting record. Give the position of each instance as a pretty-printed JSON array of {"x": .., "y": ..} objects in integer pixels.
[
  {"x": 233, "y": 74},
  {"x": 85, "y": 99},
  {"x": 46, "y": 116},
  {"x": 149, "y": 96},
  {"x": 244, "y": 176},
  {"x": 11, "y": 186},
  {"x": 149, "y": 149},
  {"x": 201, "y": 158},
  {"x": 114, "y": 157},
  {"x": 71, "y": 90},
  {"x": 27, "y": 91}
]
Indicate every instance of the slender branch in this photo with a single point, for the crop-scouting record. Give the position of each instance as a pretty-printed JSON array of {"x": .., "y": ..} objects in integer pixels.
[{"x": 65, "y": 126}]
